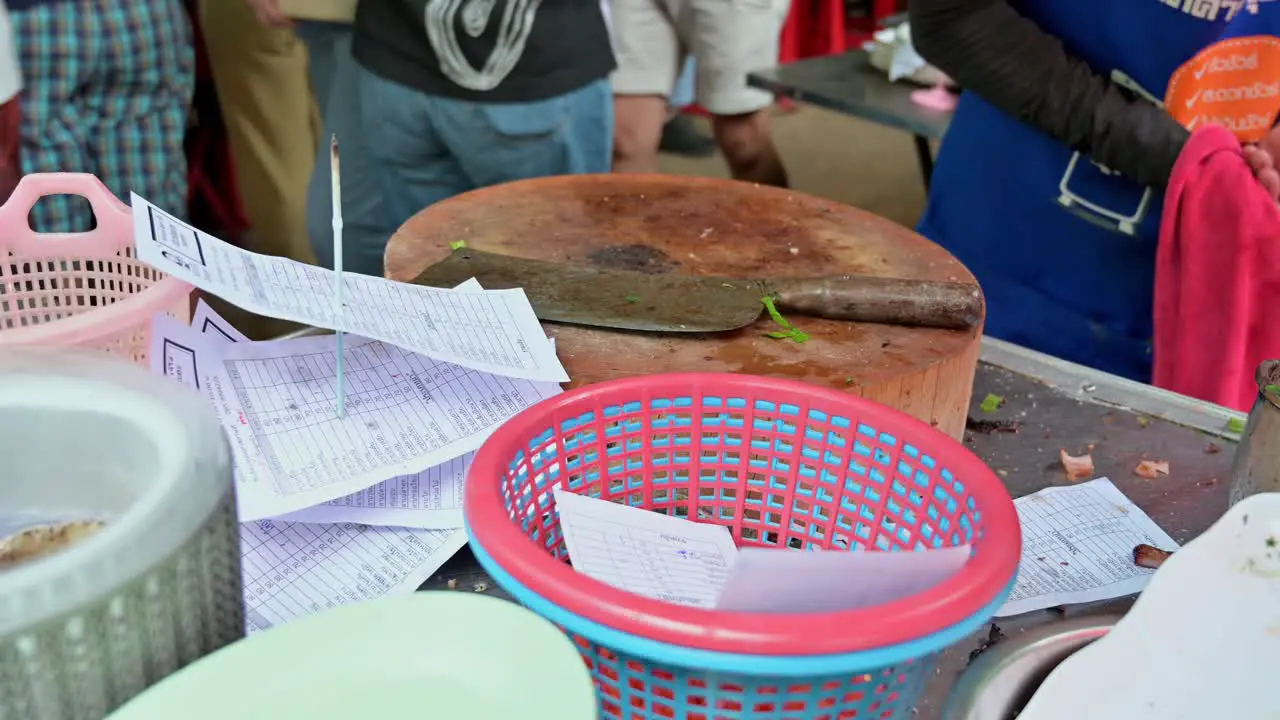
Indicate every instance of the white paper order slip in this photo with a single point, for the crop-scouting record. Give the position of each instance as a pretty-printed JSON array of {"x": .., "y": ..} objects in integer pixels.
[
  {"x": 405, "y": 412},
  {"x": 494, "y": 331}
]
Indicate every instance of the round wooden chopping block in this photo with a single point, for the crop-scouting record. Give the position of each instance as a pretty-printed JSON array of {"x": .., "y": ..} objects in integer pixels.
[{"x": 672, "y": 223}]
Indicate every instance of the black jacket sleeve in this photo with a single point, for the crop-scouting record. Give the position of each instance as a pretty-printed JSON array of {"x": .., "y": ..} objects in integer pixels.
[{"x": 989, "y": 48}]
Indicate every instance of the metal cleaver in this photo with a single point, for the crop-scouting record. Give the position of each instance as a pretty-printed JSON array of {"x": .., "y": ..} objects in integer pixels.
[{"x": 673, "y": 302}]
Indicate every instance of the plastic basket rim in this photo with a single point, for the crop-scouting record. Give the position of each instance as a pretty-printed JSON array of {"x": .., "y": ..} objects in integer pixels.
[
  {"x": 790, "y": 666},
  {"x": 983, "y": 577},
  {"x": 104, "y": 321}
]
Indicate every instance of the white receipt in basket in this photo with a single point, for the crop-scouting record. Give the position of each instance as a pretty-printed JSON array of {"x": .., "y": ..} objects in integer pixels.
[
  {"x": 644, "y": 552},
  {"x": 766, "y": 580},
  {"x": 494, "y": 331},
  {"x": 697, "y": 564}
]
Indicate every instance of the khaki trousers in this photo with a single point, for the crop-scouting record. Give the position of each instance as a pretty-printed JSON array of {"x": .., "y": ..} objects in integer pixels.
[{"x": 272, "y": 122}]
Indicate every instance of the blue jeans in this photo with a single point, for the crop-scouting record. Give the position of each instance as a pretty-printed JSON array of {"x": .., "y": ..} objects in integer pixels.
[
  {"x": 432, "y": 147},
  {"x": 367, "y": 222},
  {"x": 682, "y": 95}
]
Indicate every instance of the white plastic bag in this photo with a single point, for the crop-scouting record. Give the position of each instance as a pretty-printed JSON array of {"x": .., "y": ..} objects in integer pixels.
[{"x": 893, "y": 53}]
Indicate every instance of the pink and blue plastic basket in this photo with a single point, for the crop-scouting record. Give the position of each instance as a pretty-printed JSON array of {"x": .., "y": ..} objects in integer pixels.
[{"x": 782, "y": 464}]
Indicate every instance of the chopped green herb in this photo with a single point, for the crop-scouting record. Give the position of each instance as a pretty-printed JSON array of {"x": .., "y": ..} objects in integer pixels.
[
  {"x": 1235, "y": 425},
  {"x": 798, "y": 336},
  {"x": 1143, "y": 421},
  {"x": 457, "y": 244},
  {"x": 848, "y": 381},
  {"x": 1271, "y": 542},
  {"x": 991, "y": 403},
  {"x": 632, "y": 298},
  {"x": 773, "y": 312},
  {"x": 788, "y": 330},
  {"x": 1272, "y": 389}
]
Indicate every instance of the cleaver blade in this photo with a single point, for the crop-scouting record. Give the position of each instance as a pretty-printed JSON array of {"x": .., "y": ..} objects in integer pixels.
[{"x": 679, "y": 303}]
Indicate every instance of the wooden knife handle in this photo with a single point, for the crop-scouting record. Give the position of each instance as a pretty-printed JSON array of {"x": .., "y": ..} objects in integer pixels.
[{"x": 890, "y": 301}]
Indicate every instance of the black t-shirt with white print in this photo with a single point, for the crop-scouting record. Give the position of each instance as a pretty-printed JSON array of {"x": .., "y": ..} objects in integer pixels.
[{"x": 485, "y": 50}]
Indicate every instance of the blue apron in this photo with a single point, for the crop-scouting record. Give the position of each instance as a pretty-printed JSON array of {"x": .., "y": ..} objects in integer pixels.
[
  {"x": 1066, "y": 282},
  {"x": 1266, "y": 21}
]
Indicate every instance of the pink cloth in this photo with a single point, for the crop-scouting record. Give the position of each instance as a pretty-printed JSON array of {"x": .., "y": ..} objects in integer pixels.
[{"x": 1217, "y": 271}]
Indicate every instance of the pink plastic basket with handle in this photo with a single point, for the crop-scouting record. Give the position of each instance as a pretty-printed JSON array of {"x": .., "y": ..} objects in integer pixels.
[{"x": 80, "y": 289}]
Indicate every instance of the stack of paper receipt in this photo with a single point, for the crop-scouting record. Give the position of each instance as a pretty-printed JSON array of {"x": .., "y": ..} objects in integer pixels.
[{"x": 341, "y": 509}]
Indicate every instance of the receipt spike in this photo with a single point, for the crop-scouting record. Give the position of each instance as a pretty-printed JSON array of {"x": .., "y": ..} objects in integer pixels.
[{"x": 336, "y": 182}]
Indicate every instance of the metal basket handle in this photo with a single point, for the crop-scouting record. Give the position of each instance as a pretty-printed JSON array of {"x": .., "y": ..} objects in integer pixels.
[{"x": 109, "y": 239}]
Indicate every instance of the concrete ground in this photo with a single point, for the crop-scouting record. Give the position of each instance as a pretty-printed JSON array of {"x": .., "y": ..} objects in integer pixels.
[
  {"x": 839, "y": 157},
  {"x": 827, "y": 154}
]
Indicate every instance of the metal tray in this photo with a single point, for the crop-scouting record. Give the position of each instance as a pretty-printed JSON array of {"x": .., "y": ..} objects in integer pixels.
[{"x": 999, "y": 683}]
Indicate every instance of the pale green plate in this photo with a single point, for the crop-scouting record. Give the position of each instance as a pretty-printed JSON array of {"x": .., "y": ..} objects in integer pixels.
[{"x": 431, "y": 655}]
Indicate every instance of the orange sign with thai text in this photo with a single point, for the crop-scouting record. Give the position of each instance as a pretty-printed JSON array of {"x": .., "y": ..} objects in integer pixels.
[{"x": 1234, "y": 83}]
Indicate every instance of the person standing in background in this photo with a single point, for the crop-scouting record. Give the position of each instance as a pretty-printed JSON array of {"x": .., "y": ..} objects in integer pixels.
[
  {"x": 1049, "y": 186},
  {"x": 679, "y": 135},
  {"x": 727, "y": 40},
  {"x": 108, "y": 90},
  {"x": 325, "y": 27},
  {"x": 462, "y": 94},
  {"x": 260, "y": 70},
  {"x": 10, "y": 113}
]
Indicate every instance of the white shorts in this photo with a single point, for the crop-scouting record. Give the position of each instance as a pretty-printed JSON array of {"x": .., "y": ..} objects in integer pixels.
[{"x": 727, "y": 38}]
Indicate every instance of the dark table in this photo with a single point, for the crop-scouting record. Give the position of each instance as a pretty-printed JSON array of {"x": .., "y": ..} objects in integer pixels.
[
  {"x": 848, "y": 83},
  {"x": 1057, "y": 405}
]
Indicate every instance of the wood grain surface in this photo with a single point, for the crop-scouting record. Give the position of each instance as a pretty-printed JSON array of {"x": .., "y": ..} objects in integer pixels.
[{"x": 671, "y": 223}]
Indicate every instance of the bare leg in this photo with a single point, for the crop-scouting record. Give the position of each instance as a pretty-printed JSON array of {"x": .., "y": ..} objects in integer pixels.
[
  {"x": 638, "y": 121},
  {"x": 747, "y": 144}
]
